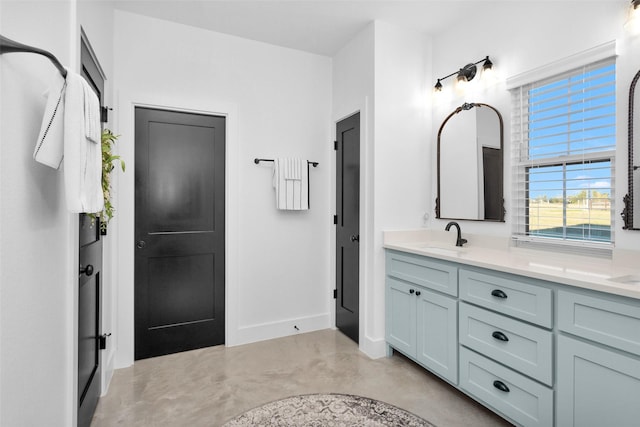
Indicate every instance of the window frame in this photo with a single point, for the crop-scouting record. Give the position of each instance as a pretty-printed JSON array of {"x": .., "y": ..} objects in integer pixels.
[{"x": 522, "y": 162}]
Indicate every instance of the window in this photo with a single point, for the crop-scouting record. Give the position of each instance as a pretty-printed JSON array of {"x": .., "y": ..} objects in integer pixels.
[{"x": 564, "y": 138}]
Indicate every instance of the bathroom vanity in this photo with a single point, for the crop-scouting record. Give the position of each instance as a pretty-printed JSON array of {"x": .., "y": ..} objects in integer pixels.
[{"x": 541, "y": 339}]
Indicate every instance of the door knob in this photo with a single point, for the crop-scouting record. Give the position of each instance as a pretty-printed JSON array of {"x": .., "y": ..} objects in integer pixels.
[
  {"x": 88, "y": 270},
  {"x": 355, "y": 238},
  {"x": 141, "y": 244}
]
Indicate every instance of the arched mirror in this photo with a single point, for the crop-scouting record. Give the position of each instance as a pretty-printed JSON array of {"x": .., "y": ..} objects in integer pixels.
[
  {"x": 630, "y": 214},
  {"x": 470, "y": 164}
]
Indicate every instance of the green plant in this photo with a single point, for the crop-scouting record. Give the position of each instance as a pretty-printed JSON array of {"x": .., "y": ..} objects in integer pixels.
[{"x": 108, "y": 164}]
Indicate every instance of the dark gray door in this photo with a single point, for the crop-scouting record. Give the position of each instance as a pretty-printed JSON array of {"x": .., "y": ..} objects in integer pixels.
[
  {"x": 89, "y": 282},
  {"x": 179, "y": 229},
  {"x": 348, "y": 225}
]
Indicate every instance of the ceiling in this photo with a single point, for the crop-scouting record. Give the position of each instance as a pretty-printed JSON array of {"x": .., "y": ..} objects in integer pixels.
[{"x": 320, "y": 27}]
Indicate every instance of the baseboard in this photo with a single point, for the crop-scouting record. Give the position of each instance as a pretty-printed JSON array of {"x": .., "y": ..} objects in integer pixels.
[
  {"x": 283, "y": 328},
  {"x": 374, "y": 348},
  {"x": 107, "y": 371}
]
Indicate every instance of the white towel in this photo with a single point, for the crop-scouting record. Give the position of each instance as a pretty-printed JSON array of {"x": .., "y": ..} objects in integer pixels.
[
  {"x": 50, "y": 145},
  {"x": 82, "y": 154},
  {"x": 291, "y": 182},
  {"x": 92, "y": 125}
]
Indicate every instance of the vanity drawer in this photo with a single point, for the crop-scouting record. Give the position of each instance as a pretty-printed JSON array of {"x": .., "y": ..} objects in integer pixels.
[
  {"x": 613, "y": 323},
  {"x": 519, "y": 398},
  {"x": 508, "y": 295},
  {"x": 520, "y": 346},
  {"x": 439, "y": 276}
]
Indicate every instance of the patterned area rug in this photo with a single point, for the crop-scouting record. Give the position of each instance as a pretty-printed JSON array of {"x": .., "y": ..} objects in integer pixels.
[{"x": 336, "y": 410}]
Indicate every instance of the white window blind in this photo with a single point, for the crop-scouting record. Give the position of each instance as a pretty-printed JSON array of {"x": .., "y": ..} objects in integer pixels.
[{"x": 563, "y": 157}]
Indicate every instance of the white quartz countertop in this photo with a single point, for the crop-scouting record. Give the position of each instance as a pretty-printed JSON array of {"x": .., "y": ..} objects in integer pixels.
[{"x": 619, "y": 275}]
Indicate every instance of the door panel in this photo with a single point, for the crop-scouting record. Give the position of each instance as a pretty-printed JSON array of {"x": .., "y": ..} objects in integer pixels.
[
  {"x": 182, "y": 292},
  {"x": 89, "y": 298},
  {"x": 182, "y": 196},
  {"x": 179, "y": 277},
  {"x": 348, "y": 225},
  {"x": 89, "y": 282}
]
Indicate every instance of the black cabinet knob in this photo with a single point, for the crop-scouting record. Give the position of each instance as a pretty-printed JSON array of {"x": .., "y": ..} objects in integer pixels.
[
  {"x": 417, "y": 293},
  {"x": 498, "y": 294},
  {"x": 501, "y": 386},
  {"x": 355, "y": 238},
  {"x": 88, "y": 270},
  {"x": 141, "y": 244},
  {"x": 411, "y": 291},
  {"x": 500, "y": 336}
]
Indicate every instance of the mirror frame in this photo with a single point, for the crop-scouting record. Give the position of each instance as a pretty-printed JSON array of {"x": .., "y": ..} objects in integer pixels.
[
  {"x": 627, "y": 211},
  {"x": 464, "y": 107}
]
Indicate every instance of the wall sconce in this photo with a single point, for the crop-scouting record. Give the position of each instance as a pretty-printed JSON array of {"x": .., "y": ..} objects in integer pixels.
[
  {"x": 633, "y": 21},
  {"x": 468, "y": 72}
]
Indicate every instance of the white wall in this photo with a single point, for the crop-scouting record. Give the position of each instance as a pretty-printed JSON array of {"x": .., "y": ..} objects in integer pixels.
[
  {"x": 402, "y": 157},
  {"x": 278, "y": 103},
  {"x": 353, "y": 91},
  {"x": 382, "y": 73},
  {"x": 38, "y": 238},
  {"x": 524, "y": 36}
]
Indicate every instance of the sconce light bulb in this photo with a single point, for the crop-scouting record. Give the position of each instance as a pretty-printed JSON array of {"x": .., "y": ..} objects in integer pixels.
[
  {"x": 633, "y": 21},
  {"x": 488, "y": 65},
  {"x": 461, "y": 83}
]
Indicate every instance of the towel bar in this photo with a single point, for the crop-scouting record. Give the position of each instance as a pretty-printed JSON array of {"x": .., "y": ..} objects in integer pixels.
[
  {"x": 10, "y": 46},
  {"x": 314, "y": 164},
  {"x": 256, "y": 161}
]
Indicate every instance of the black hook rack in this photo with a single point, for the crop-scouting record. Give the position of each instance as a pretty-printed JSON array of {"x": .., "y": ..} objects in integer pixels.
[
  {"x": 256, "y": 161},
  {"x": 11, "y": 46}
]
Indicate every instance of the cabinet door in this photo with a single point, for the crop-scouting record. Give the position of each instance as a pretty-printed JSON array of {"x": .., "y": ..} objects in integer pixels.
[
  {"x": 437, "y": 322},
  {"x": 596, "y": 386},
  {"x": 401, "y": 316}
]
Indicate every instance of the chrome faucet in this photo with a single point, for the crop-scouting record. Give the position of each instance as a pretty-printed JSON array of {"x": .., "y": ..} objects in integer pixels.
[{"x": 459, "y": 241}]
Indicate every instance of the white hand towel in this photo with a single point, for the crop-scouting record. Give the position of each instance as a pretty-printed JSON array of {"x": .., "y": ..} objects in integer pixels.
[
  {"x": 291, "y": 182},
  {"x": 293, "y": 169},
  {"x": 50, "y": 146},
  {"x": 93, "y": 128},
  {"x": 82, "y": 156}
]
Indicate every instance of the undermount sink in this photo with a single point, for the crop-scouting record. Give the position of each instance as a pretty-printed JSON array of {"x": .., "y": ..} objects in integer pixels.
[
  {"x": 629, "y": 279},
  {"x": 442, "y": 249}
]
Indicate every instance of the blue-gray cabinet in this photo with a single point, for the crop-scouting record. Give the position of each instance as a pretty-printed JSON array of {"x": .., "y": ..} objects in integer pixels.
[
  {"x": 510, "y": 393},
  {"x": 598, "y": 361},
  {"x": 506, "y": 345},
  {"x": 420, "y": 323},
  {"x": 536, "y": 352}
]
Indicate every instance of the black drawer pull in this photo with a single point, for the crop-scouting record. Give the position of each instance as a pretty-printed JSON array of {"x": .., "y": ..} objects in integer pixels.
[
  {"x": 498, "y": 294},
  {"x": 417, "y": 293},
  {"x": 500, "y": 336},
  {"x": 411, "y": 291},
  {"x": 501, "y": 386}
]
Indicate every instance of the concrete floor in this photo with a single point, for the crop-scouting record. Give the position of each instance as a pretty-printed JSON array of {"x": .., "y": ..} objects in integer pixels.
[{"x": 209, "y": 386}]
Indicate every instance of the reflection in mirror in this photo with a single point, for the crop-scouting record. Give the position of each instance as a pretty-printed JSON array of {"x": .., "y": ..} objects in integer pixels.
[
  {"x": 630, "y": 214},
  {"x": 470, "y": 159}
]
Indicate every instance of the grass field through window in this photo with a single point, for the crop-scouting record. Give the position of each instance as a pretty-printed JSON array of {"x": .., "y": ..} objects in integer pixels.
[{"x": 582, "y": 219}]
